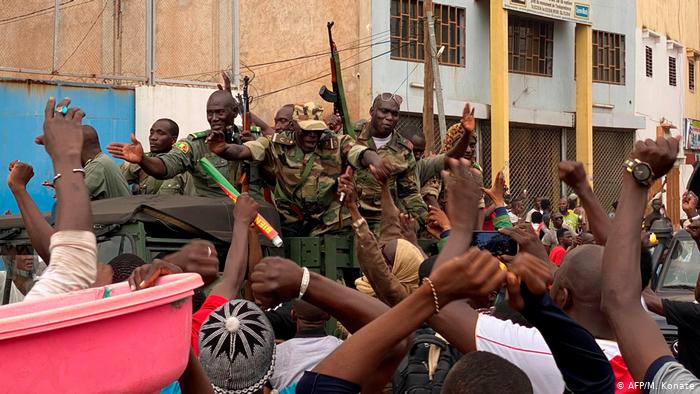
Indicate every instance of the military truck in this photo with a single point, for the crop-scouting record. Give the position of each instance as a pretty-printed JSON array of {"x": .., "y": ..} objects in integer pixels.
[{"x": 148, "y": 226}]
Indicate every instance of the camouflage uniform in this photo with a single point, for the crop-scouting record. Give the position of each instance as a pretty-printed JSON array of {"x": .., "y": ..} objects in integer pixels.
[
  {"x": 433, "y": 187},
  {"x": 150, "y": 185},
  {"x": 103, "y": 178},
  {"x": 308, "y": 202},
  {"x": 184, "y": 157},
  {"x": 404, "y": 184}
]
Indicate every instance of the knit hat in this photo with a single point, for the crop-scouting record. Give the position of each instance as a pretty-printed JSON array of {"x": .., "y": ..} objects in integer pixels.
[{"x": 237, "y": 348}]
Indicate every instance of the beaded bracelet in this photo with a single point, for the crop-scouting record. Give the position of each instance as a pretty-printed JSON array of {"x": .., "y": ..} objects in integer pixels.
[
  {"x": 435, "y": 297},
  {"x": 304, "y": 282}
]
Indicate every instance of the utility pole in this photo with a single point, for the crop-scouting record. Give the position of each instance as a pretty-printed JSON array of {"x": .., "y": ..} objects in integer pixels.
[
  {"x": 434, "y": 54},
  {"x": 432, "y": 144}
]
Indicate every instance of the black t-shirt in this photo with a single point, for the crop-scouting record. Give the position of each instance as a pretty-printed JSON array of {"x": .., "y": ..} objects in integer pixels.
[{"x": 686, "y": 316}]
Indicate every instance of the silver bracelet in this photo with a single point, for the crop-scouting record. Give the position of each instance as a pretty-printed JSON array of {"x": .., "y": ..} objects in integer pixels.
[
  {"x": 74, "y": 171},
  {"x": 694, "y": 218},
  {"x": 305, "y": 277}
]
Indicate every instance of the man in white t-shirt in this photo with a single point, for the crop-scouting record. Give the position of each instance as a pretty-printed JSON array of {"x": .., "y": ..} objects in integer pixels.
[
  {"x": 309, "y": 346},
  {"x": 576, "y": 289}
]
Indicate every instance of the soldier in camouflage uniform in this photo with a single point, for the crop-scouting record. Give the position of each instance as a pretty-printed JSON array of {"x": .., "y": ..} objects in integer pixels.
[
  {"x": 378, "y": 134},
  {"x": 307, "y": 162},
  {"x": 162, "y": 136},
  {"x": 222, "y": 109}
]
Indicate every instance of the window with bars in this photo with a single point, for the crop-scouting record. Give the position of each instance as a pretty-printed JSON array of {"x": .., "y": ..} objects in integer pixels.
[
  {"x": 649, "y": 61},
  {"x": 672, "y": 71},
  {"x": 608, "y": 57},
  {"x": 530, "y": 46},
  {"x": 691, "y": 74},
  {"x": 407, "y": 41}
]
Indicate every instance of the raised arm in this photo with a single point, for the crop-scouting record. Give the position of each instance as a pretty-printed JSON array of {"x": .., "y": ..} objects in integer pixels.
[
  {"x": 73, "y": 246},
  {"x": 582, "y": 363},
  {"x": 639, "y": 338},
  {"x": 237, "y": 259},
  {"x": 369, "y": 255},
  {"x": 133, "y": 153},
  {"x": 574, "y": 175},
  {"x": 472, "y": 275},
  {"x": 218, "y": 145},
  {"x": 38, "y": 229},
  {"x": 468, "y": 123}
]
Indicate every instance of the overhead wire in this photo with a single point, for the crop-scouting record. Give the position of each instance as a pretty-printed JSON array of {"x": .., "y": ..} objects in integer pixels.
[
  {"x": 310, "y": 57},
  {"x": 84, "y": 36},
  {"x": 44, "y": 11},
  {"x": 325, "y": 75}
]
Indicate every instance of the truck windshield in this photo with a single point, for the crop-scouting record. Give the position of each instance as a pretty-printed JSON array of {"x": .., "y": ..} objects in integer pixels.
[{"x": 683, "y": 266}]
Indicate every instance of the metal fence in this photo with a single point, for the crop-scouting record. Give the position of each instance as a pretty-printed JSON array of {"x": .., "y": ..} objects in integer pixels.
[
  {"x": 119, "y": 41},
  {"x": 610, "y": 149}
]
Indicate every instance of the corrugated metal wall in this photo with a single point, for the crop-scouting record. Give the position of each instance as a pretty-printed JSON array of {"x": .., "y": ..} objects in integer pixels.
[{"x": 110, "y": 111}]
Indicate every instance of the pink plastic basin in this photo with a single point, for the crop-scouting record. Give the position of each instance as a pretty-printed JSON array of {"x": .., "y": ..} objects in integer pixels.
[{"x": 80, "y": 342}]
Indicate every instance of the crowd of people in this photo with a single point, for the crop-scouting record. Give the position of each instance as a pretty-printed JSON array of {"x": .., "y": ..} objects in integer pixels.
[{"x": 564, "y": 313}]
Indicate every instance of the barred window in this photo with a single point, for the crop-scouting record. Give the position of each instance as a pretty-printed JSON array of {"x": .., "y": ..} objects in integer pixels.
[
  {"x": 407, "y": 32},
  {"x": 608, "y": 57},
  {"x": 691, "y": 74},
  {"x": 530, "y": 46},
  {"x": 672, "y": 71},
  {"x": 649, "y": 62}
]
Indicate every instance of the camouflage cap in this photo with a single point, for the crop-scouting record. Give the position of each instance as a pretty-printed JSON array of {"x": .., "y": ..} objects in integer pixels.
[
  {"x": 312, "y": 125},
  {"x": 308, "y": 111}
]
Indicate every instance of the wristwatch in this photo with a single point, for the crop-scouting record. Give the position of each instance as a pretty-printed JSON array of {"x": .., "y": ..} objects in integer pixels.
[{"x": 641, "y": 171}]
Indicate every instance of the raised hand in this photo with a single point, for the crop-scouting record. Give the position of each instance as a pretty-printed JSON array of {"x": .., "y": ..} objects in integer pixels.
[
  {"x": 216, "y": 141},
  {"x": 133, "y": 153},
  {"x": 498, "y": 190},
  {"x": 660, "y": 154},
  {"x": 198, "y": 256},
  {"x": 227, "y": 82},
  {"x": 528, "y": 269},
  {"x": 463, "y": 192},
  {"x": 527, "y": 239},
  {"x": 63, "y": 134},
  {"x": 245, "y": 210},
  {"x": 468, "y": 121},
  {"x": 20, "y": 174},
  {"x": 145, "y": 276},
  {"x": 408, "y": 228},
  {"x": 472, "y": 275},
  {"x": 573, "y": 174},
  {"x": 346, "y": 186},
  {"x": 276, "y": 280},
  {"x": 437, "y": 221}
]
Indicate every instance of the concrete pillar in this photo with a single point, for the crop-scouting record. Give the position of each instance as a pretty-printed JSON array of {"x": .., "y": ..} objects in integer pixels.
[
  {"x": 498, "y": 51},
  {"x": 584, "y": 97}
]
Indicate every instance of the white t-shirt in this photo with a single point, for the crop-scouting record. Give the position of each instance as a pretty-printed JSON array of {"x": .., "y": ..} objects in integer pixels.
[
  {"x": 526, "y": 348},
  {"x": 15, "y": 294},
  {"x": 298, "y": 355},
  {"x": 380, "y": 142}
]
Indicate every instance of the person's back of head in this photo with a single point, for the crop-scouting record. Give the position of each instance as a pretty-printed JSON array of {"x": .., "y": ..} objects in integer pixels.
[
  {"x": 561, "y": 233},
  {"x": 485, "y": 373},
  {"x": 545, "y": 204},
  {"x": 536, "y": 217},
  {"x": 123, "y": 265},
  {"x": 305, "y": 313},
  {"x": 237, "y": 348}
]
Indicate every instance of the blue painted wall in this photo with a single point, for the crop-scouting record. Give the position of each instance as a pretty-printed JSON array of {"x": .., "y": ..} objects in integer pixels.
[{"x": 109, "y": 111}]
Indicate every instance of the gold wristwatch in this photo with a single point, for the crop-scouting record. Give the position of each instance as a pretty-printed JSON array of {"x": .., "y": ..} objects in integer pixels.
[{"x": 641, "y": 171}]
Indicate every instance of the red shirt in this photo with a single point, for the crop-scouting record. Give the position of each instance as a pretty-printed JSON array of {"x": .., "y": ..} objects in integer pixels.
[
  {"x": 210, "y": 304},
  {"x": 557, "y": 255}
]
